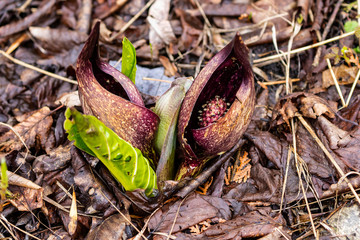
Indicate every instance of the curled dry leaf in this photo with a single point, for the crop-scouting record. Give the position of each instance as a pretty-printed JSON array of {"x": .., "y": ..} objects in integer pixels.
[
  {"x": 160, "y": 28},
  {"x": 217, "y": 108},
  {"x": 27, "y": 199},
  {"x": 344, "y": 144},
  {"x": 309, "y": 105},
  {"x": 113, "y": 98},
  {"x": 34, "y": 130}
]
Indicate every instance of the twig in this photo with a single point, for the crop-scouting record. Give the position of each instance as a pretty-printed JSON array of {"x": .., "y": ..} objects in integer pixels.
[
  {"x": 177, "y": 214},
  {"x": 353, "y": 87},
  {"x": 156, "y": 80},
  {"x": 265, "y": 59},
  {"x": 297, "y": 28},
  {"x": 126, "y": 219},
  {"x": 24, "y": 64},
  {"x": 280, "y": 81},
  {"x": 207, "y": 22},
  {"x": 327, "y": 153},
  {"x": 336, "y": 82},
  {"x": 145, "y": 225},
  {"x": 17, "y": 43},
  {"x": 6, "y": 227},
  {"x": 132, "y": 20},
  {"x": 196, "y": 182},
  {"x": 326, "y": 31}
]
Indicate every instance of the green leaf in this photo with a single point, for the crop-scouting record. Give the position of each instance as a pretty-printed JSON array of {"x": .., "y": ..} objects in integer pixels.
[
  {"x": 4, "y": 179},
  {"x": 128, "y": 64},
  {"x": 126, "y": 163},
  {"x": 350, "y": 26},
  {"x": 167, "y": 108}
]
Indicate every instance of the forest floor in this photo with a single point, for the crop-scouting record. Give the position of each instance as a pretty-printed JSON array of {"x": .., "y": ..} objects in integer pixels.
[{"x": 293, "y": 175}]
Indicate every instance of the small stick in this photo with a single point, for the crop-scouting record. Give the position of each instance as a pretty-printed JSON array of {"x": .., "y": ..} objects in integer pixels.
[
  {"x": 326, "y": 31},
  {"x": 336, "y": 82},
  {"x": 24, "y": 64},
  {"x": 280, "y": 81},
  {"x": 132, "y": 20},
  {"x": 327, "y": 153},
  {"x": 17, "y": 43},
  {"x": 260, "y": 60}
]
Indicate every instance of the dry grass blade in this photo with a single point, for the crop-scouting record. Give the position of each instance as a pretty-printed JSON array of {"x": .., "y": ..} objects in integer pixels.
[
  {"x": 177, "y": 214},
  {"x": 17, "y": 61},
  {"x": 285, "y": 178},
  {"x": 336, "y": 82},
  {"x": 327, "y": 153},
  {"x": 17, "y": 228},
  {"x": 265, "y": 59},
  {"x": 300, "y": 173},
  {"x": 353, "y": 88}
]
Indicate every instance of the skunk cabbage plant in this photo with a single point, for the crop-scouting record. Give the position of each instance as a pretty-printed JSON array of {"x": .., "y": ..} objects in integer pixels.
[
  {"x": 217, "y": 108},
  {"x": 113, "y": 98},
  {"x": 126, "y": 163}
]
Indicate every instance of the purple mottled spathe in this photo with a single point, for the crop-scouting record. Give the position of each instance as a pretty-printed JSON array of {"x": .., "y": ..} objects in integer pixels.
[
  {"x": 228, "y": 75},
  {"x": 113, "y": 98}
]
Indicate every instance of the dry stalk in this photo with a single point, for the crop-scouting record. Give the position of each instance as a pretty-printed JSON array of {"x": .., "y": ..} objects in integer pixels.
[
  {"x": 265, "y": 59},
  {"x": 300, "y": 178},
  {"x": 19, "y": 62},
  {"x": 327, "y": 153},
  {"x": 336, "y": 82},
  {"x": 352, "y": 88},
  {"x": 285, "y": 178}
]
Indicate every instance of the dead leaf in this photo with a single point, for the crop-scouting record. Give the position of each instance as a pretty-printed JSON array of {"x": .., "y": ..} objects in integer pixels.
[
  {"x": 344, "y": 144},
  {"x": 58, "y": 159},
  {"x": 253, "y": 224},
  {"x": 343, "y": 73},
  {"x": 34, "y": 130},
  {"x": 27, "y": 199},
  {"x": 160, "y": 28},
  {"x": 309, "y": 105},
  {"x": 70, "y": 99},
  {"x": 58, "y": 40},
  {"x": 113, "y": 228},
  {"x": 170, "y": 68},
  {"x": 192, "y": 29},
  {"x": 195, "y": 209},
  {"x": 91, "y": 187}
]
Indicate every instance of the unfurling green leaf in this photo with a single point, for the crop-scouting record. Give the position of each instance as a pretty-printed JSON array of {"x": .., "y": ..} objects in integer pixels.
[
  {"x": 128, "y": 64},
  {"x": 126, "y": 163},
  {"x": 167, "y": 108}
]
